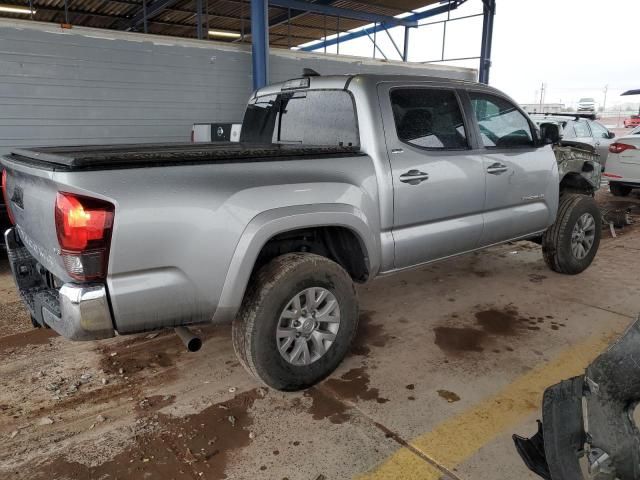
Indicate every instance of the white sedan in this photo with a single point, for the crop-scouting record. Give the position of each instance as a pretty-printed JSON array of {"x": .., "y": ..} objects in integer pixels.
[{"x": 623, "y": 164}]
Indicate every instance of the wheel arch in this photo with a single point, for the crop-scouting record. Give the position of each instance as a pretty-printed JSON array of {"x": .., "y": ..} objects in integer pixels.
[
  {"x": 573, "y": 182},
  {"x": 268, "y": 225}
]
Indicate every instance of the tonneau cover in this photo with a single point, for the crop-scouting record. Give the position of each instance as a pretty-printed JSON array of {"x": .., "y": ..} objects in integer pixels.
[{"x": 103, "y": 157}]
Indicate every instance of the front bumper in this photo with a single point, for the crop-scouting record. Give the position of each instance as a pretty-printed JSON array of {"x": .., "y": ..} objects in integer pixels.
[
  {"x": 591, "y": 416},
  {"x": 75, "y": 311}
]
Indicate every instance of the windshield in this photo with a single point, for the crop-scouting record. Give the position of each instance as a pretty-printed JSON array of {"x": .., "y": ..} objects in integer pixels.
[
  {"x": 315, "y": 117},
  {"x": 586, "y": 100}
]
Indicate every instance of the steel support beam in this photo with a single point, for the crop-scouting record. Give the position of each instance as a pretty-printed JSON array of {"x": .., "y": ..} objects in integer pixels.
[
  {"x": 489, "y": 11},
  {"x": 199, "y": 22},
  {"x": 324, "y": 9},
  {"x": 260, "y": 42},
  {"x": 376, "y": 47},
  {"x": 151, "y": 11},
  {"x": 381, "y": 26},
  {"x": 405, "y": 50},
  {"x": 395, "y": 45},
  {"x": 284, "y": 18},
  {"x": 145, "y": 22}
]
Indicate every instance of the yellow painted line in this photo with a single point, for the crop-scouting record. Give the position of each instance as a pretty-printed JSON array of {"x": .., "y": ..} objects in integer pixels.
[{"x": 458, "y": 438}]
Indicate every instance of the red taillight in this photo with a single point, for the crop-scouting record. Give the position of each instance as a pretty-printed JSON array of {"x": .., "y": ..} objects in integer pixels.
[
  {"x": 611, "y": 175},
  {"x": 84, "y": 228},
  {"x": 7, "y": 204},
  {"x": 620, "y": 147}
]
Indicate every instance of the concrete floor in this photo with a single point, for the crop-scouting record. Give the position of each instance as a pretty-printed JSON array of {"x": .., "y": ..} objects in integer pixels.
[{"x": 451, "y": 360}]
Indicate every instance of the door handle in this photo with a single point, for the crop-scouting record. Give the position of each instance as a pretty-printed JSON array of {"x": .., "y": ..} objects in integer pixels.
[
  {"x": 497, "y": 168},
  {"x": 414, "y": 177}
]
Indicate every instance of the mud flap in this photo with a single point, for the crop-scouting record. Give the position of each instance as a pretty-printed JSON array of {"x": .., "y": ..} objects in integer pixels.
[
  {"x": 591, "y": 415},
  {"x": 531, "y": 450}
]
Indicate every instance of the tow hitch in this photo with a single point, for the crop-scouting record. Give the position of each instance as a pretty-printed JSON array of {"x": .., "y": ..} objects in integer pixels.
[{"x": 591, "y": 418}]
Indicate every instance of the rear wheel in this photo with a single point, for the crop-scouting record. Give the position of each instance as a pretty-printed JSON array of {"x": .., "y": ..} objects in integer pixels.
[
  {"x": 618, "y": 190},
  {"x": 297, "y": 321},
  {"x": 572, "y": 242}
]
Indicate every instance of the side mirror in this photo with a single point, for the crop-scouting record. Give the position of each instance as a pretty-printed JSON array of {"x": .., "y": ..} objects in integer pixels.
[
  {"x": 549, "y": 133},
  {"x": 611, "y": 134}
]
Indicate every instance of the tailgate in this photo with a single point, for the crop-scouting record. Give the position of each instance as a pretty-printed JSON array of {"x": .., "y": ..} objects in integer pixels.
[{"x": 31, "y": 197}]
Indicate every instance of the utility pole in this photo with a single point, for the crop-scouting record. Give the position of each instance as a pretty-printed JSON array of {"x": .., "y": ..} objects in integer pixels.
[
  {"x": 542, "y": 89},
  {"x": 604, "y": 102}
]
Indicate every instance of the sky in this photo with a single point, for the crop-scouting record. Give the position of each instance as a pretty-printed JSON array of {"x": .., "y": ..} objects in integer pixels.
[{"x": 575, "y": 47}]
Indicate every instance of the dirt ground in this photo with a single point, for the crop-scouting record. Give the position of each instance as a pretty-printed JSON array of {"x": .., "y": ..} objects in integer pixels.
[{"x": 450, "y": 360}]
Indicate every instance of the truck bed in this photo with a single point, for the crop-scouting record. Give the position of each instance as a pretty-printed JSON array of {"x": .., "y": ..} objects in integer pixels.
[{"x": 105, "y": 157}]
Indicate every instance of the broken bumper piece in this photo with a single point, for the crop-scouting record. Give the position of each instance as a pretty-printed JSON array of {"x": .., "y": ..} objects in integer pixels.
[{"x": 591, "y": 418}]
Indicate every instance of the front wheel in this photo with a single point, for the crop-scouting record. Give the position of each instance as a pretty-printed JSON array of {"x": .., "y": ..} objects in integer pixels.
[
  {"x": 297, "y": 321},
  {"x": 571, "y": 243}
]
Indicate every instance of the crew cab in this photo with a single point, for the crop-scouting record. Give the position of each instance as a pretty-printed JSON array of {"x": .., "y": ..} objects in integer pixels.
[{"x": 336, "y": 180}]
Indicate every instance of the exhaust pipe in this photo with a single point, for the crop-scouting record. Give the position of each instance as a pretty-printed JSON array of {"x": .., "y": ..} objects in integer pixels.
[{"x": 190, "y": 340}]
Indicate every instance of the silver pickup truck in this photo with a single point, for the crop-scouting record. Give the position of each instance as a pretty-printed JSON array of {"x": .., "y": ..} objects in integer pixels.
[{"x": 337, "y": 180}]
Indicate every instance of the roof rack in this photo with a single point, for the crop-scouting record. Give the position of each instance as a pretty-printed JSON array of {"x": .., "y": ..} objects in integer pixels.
[{"x": 564, "y": 114}]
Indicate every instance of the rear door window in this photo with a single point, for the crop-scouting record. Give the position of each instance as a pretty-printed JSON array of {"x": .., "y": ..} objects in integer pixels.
[
  {"x": 429, "y": 118},
  {"x": 501, "y": 124}
]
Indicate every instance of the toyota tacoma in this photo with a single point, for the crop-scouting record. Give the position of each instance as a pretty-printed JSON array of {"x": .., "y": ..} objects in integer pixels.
[{"x": 336, "y": 180}]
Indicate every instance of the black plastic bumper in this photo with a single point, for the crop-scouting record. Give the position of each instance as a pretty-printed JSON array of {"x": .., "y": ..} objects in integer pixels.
[{"x": 591, "y": 416}]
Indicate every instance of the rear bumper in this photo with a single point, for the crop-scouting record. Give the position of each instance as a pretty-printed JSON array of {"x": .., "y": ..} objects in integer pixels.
[{"x": 77, "y": 312}]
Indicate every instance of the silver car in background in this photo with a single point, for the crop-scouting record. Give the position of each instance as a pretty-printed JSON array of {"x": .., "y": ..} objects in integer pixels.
[
  {"x": 582, "y": 130},
  {"x": 588, "y": 106}
]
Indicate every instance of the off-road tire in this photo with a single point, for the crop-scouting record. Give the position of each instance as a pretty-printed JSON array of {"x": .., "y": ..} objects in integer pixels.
[
  {"x": 556, "y": 241},
  {"x": 618, "y": 190},
  {"x": 270, "y": 290}
]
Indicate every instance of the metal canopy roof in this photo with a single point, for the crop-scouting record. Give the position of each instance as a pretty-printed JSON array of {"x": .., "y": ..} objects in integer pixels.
[{"x": 287, "y": 25}]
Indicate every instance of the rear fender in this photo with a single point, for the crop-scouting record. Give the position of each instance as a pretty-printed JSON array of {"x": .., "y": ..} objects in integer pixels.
[{"x": 268, "y": 224}]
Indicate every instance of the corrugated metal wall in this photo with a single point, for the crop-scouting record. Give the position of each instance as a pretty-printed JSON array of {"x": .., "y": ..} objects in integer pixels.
[{"x": 95, "y": 86}]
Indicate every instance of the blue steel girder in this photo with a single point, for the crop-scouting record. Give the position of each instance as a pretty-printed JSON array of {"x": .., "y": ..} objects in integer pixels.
[
  {"x": 304, "y": 8},
  {"x": 152, "y": 10},
  {"x": 415, "y": 17},
  {"x": 293, "y": 13},
  {"x": 488, "y": 11},
  {"x": 260, "y": 42},
  {"x": 325, "y": 9}
]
